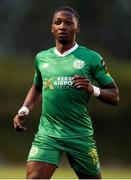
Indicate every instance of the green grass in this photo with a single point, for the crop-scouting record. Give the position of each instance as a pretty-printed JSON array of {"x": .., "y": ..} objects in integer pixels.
[{"x": 18, "y": 172}]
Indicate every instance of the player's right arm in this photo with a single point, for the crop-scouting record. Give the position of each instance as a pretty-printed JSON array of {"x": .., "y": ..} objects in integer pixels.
[{"x": 33, "y": 97}]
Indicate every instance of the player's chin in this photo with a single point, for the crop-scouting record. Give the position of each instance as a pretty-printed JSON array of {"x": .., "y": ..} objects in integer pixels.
[{"x": 63, "y": 40}]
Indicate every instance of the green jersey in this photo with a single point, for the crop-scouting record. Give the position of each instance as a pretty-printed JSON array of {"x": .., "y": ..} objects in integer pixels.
[{"x": 64, "y": 107}]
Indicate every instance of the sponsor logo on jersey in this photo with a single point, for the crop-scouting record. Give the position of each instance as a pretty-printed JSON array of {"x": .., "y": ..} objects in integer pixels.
[
  {"x": 78, "y": 64},
  {"x": 45, "y": 65},
  {"x": 59, "y": 82},
  {"x": 64, "y": 82},
  {"x": 47, "y": 83}
]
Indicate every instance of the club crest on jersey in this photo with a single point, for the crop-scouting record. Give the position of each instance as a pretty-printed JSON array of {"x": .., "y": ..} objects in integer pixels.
[
  {"x": 33, "y": 151},
  {"x": 78, "y": 64}
]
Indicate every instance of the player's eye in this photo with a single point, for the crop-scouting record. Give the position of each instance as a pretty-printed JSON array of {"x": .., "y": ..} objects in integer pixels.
[
  {"x": 57, "y": 22},
  {"x": 69, "y": 23}
]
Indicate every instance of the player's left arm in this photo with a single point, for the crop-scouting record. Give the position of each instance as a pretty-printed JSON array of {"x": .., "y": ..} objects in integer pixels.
[{"x": 108, "y": 93}]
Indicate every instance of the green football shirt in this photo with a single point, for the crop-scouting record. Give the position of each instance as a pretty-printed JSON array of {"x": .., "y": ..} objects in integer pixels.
[{"x": 65, "y": 108}]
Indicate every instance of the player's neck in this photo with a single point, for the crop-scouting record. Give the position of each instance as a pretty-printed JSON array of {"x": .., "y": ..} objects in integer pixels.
[{"x": 64, "y": 47}]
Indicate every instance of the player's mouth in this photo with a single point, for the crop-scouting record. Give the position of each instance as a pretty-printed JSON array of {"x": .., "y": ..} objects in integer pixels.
[{"x": 62, "y": 34}]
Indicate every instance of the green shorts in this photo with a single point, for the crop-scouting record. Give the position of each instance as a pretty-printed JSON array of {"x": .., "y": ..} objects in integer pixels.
[{"x": 81, "y": 152}]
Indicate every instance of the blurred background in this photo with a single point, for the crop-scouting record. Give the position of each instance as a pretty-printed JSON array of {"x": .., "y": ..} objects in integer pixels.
[{"x": 24, "y": 31}]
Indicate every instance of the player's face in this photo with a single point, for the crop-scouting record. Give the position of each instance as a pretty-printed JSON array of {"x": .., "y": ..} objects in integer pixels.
[{"x": 64, "y": 27}]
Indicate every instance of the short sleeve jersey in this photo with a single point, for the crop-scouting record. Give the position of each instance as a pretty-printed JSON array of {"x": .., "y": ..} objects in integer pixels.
[{"x": 65, "y": 108}]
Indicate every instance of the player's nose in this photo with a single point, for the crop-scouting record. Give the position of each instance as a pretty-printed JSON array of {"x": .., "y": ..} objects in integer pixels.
[{"x": 62, "y": 26}]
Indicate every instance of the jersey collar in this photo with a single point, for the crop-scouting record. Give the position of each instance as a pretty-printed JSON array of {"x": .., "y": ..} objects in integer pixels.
[{"x": 67, "y": 52}]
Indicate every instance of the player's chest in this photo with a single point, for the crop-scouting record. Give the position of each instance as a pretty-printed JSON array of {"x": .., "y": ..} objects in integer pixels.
[{"x": 64, "y": 68}]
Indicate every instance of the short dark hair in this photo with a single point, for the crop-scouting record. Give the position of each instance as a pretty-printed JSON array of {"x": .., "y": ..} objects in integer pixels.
[{"x": 69, "y": 9}]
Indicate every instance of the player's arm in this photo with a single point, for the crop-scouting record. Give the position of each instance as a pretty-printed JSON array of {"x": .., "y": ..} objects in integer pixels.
[
  {"x": 108, "y": 94},
  {"x": 33, "y": 97}
]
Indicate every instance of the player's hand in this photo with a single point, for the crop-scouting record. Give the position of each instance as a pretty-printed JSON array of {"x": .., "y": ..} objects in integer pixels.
[
  {"x": 83, "y": 82},
  {"x": 18, "y": 122}
]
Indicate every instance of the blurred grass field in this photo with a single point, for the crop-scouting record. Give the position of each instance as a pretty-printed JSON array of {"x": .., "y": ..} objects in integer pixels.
[{"x": 18, "y": 172}]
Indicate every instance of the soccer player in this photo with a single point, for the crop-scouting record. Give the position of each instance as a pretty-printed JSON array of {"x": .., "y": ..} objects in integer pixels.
[{"x": 64, "y": 79}]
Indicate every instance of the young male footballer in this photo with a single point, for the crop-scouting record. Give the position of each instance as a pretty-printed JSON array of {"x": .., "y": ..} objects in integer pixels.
[{"x": 64, "y": 79}]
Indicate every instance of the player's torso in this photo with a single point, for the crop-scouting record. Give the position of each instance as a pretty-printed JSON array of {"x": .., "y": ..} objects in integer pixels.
[
  {"x": 57, "y": 72},
  {"x": 61, "y": 101}
]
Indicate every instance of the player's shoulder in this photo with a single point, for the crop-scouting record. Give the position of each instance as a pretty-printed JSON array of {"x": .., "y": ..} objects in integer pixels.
[
  {"x": 89, "y": 51},
  {"x": 90, "y": 54},
  {"x": 44, "y": 53}
]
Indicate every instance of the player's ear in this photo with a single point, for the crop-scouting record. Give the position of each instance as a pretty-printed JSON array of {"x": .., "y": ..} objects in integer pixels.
[
  {"x": 52, "y": 29},
  {"x": 78, "y": 28}
]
